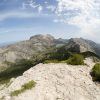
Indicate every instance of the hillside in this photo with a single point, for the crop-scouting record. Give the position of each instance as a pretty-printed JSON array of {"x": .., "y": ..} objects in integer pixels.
[
  {"x": 19, "y": 57},
  {"x": 82, "y": 45},
  {"x": 54, "y": 82},
  {"x": 26, "y": 49}
]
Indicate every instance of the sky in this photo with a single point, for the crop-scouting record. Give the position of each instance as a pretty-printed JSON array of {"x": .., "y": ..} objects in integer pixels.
[{"x": 20, "y": 19}]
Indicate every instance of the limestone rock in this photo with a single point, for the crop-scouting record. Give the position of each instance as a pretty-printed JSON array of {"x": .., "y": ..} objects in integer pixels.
[{"x": 56, "y": 82}]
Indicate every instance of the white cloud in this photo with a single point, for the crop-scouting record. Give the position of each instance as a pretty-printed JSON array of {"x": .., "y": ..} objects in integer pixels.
[
  {"x": 40, "y": 8},
  {"x": 55, "y": 20},
  {"x": 51, "y": 7},
  {"x": 20, "y": 14},
  {"x": 15, "y": 14},
  {"x": 32, "y": 4},
  {"x": 81, "y": 13}
]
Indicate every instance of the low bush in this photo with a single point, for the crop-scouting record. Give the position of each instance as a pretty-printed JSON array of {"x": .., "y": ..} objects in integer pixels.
[
  {"x": 29, "y": 85},
  {"x": 59, "y": 54},
  {"x": 96, "y": 72},
  {"x": 89, "y": 54},
  {"x": 76, "y": 59},
  {"x": 16, "y": 92},
  {"x": 24, "y": 87},
  {"x": 51, "y": 61}
]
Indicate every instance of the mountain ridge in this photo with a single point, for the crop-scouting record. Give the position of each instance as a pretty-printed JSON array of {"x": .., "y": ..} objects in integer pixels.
[
  {"x": 54, "y": 81},
  {"x": 42, "y": 43}
]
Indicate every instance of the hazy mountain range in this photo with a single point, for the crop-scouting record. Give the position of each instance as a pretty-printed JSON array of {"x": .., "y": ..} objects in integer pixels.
[
  {"x": 41, "y": 47},
  {"x": 41, "y": 43}
]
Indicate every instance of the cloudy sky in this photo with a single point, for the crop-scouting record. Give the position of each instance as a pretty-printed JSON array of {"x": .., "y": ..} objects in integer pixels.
[{"x": 20, "y": 19}]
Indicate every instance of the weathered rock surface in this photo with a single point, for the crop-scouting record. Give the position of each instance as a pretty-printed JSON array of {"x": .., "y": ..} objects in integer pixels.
[
  {"x": 56, "y": 82},
  {"x": 26, "y": 49},
  {"x": 83, "y": 45}
]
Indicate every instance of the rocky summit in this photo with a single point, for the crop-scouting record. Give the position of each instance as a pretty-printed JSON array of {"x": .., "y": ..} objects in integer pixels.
[
  {"x": 26, "y": 49},
  {"x": 54, "y": 82}
]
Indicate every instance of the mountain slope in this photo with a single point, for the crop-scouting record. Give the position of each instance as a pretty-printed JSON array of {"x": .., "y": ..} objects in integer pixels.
[
  {"x": 55, "y": 82},
  {"x": 79, "y": 45},
  {"x": 25, "y": 49}
]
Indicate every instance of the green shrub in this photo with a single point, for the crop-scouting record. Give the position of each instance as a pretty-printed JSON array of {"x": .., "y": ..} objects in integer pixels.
[
  {"x": 89, "y": 54},
  {"x": 17, "y": 92},
  {"x": 24, "y": 87},
  {"x": 29, "y": 85},
  {"x": 63, "y": 61},
  {"x": 76, "y": 59},
  {"x": 51, "y": 61},
  {"x": 59, "y": 54},
  {"x": 24, "y": 63},
  {"x": 96, "y": 72}
]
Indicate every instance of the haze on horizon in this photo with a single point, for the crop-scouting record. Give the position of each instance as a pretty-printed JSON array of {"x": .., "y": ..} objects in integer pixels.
[{"x": 20, "y": 19}]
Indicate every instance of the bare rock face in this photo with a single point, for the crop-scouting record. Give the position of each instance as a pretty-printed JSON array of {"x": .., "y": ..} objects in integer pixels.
[
  {"x": 79, "y": 45},
  {"x": 47, "y": 39},
  {"x": 26, "y": 49},
  {"x": 82, "y": 45},
  {"x": 55, "y": 82}
]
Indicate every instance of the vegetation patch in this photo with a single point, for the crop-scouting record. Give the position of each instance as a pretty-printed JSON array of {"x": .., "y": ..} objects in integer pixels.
[
  {"x": 59, "y": 54},
  {"x": 24, "y": 87},
  {"x": 89, "y": 54},
  {"x": 95, "y": 57},
  {"x": 16, "y": 69},
  {"x": 51, "y": 61},
  {"x": 76, "y": 59},
  {"x": 54, "y": 61},
  {"x": 96, "y": 72}
]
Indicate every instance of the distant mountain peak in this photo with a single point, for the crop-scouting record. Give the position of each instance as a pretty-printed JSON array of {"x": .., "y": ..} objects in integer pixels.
[
  {"x": 77, "y": 39},
  {"x": 42, "y": 36},
  {"x": 83, "y": 45}
]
